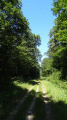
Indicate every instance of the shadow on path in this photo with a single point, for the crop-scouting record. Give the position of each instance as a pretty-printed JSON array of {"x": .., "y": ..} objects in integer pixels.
[
  {"x": 10, "y": 95},
  {"x": 33, "y": 82},
  {"x": 22, "y": 113},
  {"x": 39, "y": 109}
]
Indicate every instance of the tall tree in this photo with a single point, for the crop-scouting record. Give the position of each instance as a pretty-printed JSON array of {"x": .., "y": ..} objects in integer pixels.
[
  {"x": 58, "y": 37},
  {"x": 18, "y": 46},
  {"x": 46, "y": 67}
]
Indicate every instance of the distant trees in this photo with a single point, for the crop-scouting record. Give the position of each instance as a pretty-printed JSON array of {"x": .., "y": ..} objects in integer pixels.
[
  {"x": 19, "y": 54},
  {"x": 58, "y": 37},
  {"x": 47, "y": 68}
]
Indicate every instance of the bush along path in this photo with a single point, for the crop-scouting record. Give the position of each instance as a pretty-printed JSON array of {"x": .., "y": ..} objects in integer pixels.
[
  {"x": 29, "y": 115},
  {"x": 16, "y": 109},
  {"x": 48, "y": 110}
]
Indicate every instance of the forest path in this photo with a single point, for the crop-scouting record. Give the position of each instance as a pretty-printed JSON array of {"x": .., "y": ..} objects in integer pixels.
[{"x": 30, "y": 109}]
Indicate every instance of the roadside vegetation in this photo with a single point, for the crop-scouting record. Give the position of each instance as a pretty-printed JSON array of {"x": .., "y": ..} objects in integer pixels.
[
  {"x": 57, "y": 45},
  {"x": 57, "y": 94}
]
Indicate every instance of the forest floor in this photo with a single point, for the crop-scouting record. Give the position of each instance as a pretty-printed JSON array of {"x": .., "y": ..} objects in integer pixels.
[{"x": 28, "y": 101}]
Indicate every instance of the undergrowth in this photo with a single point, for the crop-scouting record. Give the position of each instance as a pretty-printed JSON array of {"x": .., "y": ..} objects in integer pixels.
[{"x": 57, "y": 93}]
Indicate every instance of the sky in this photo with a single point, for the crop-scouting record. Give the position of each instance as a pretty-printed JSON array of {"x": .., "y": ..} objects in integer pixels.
[{"x": 40, "y": 18}]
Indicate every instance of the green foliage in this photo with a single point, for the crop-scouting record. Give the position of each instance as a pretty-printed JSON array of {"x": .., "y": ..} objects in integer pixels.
[
  {"x": 58, "y": 37},
  {"x": 46, "y": 67},
  {"x": 55, "y": 76},
  {"x": 18, "y": 45}
]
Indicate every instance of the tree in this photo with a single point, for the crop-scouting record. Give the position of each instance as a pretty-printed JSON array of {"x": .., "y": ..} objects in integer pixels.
[
  {"x": 27, "y": 57},
  {"x": 13, "y": 26},
  {"x": 46, "y": 67},
  {"x": 18, "y": 45},
  {"x": 58, "y": 37}
]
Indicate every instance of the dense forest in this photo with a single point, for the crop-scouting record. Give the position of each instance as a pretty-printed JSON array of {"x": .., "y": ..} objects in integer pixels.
[
  {"x": 56, "y": 62},
  {"x": 29, "y": 91},
  {"x": 19, "y": 54}
]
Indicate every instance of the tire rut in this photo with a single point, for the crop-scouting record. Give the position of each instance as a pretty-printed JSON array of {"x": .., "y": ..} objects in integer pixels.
[
  {"x": 29, "y": 115},
  {"x": 49, "y": 115}
]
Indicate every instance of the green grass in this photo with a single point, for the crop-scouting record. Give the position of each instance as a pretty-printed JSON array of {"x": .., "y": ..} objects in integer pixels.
[
  {"x": 57, "y": 93},
  {"x": 10, "y": 95},
  {"x": 24, "y": 85},
  {"x": 22, "y": 112},
  {"x": 39, "y": 109}
]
